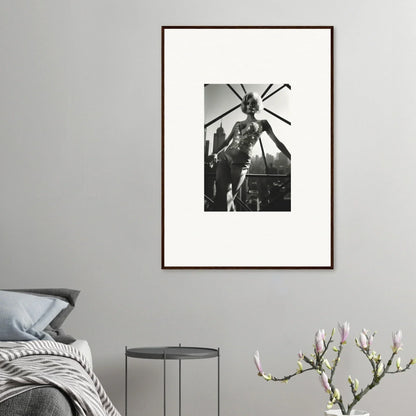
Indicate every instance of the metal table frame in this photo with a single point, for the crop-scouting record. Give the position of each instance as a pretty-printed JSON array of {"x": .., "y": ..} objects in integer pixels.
[{"x": 172, "y": 353}]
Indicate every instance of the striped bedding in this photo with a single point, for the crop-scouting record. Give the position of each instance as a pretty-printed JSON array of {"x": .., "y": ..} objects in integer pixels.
[{"x": 31, "y": 364}]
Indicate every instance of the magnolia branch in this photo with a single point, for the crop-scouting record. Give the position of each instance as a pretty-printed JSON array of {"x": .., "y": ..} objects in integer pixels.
[{"x": 317, "y": 361}]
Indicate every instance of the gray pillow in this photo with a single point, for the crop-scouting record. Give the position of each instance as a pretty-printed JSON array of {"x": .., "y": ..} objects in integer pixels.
[
  {"x": 23, "y": 317},
  {"x": 59, "y": 335},
  {"x": 67, "y": 295}
]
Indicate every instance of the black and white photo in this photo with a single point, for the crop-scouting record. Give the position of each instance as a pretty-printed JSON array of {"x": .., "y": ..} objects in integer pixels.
[{"x": 247, "y": 166}]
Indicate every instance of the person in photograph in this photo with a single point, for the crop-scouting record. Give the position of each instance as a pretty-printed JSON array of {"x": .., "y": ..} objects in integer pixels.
[{"x": 233, "y": 156}]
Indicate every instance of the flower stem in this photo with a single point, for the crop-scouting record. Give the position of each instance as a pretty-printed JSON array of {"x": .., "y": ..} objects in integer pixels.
[{"x": 374, "y": 382}]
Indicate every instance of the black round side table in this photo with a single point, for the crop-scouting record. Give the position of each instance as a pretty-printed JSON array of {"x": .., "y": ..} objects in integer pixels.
[{"x": 172, "y": 353}]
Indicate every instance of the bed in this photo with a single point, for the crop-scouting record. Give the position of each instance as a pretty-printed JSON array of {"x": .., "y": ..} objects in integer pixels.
[
  {"x": 44, "y": 400},
  {"x": 43, "y": 370}
]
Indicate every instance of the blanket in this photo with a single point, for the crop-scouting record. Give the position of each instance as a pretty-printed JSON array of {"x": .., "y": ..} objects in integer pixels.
[{"x": 31, "y": 364}]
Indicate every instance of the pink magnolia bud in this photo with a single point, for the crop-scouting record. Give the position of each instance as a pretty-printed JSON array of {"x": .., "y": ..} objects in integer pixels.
[
  {"x": 397, "y": 341},
  {"x": 257, "y": 362},
  {"x": 319, "y": 340},
  {"x": 325, "y": 382},
  {"x": 344, "y": 331},
  {"x": 364, "y": 340},
  {"x": 370, "y": 340}
]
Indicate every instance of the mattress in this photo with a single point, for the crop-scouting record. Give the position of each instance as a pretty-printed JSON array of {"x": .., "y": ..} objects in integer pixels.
[
  {"x": 82, "y": 346},
  {"x": 29, "y": 368}
]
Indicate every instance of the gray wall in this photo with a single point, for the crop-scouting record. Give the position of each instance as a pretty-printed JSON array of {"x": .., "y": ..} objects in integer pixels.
[{"x": 80, "y": 200}]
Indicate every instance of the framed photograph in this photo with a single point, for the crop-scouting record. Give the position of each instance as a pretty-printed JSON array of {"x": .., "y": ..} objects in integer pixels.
[{"x": 247, "y": 147}]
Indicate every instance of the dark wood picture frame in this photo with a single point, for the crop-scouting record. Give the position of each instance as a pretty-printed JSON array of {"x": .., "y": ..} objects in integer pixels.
[{"x": 164, "y": 264}]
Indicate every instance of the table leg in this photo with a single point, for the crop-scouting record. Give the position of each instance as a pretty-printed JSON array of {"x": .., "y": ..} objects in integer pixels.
[
  {"x": 218, "y": 381},
  {"x": 125, "y": 381},
  {"x": 164, "y": 383},
  {"x": 180, "y": 385}
]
